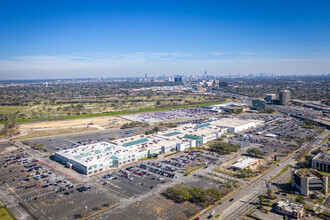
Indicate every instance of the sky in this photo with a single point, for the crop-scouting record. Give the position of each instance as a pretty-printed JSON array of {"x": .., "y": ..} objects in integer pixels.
[{"x": 84, "y": 39}]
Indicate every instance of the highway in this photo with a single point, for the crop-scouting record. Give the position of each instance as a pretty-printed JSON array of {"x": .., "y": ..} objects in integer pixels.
[{"x": 246, "y": 197}]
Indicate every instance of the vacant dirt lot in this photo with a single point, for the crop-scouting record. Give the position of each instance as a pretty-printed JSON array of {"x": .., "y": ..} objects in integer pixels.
[{"x": 102, "y": 121}]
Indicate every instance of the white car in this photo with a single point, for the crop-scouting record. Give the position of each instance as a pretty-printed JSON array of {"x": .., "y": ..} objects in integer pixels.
[{"x": 212, "y": 212}]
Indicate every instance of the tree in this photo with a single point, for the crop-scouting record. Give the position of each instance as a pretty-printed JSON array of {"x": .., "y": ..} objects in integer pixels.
[
  {"x": 261, "y": 199},
  {"x": 300, "y": 199},
  {"x": 247, "y": 172},
  {"x": 269, "y": 192},
  {"x": 255, "y": 152},
  {"x": 308, "y": 161},
  {"x": 324, "y": 191},
  {"x": 300, "y": 142},
  {"x": 225, "y": 148}
]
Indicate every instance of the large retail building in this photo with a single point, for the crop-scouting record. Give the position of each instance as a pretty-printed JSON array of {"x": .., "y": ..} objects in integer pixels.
[{"x": 94, "y": 158}]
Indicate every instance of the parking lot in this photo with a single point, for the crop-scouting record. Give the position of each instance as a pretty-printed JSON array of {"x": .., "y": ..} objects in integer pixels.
[
  {"x": 44, "y": 192},
  {"x": 286, "y": 132},
  {"x": 67, "y": 142}
]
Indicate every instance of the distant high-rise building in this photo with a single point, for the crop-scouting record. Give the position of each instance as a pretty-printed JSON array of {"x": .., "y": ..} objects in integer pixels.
[
  {"x": 178, "y": 79},
  {"x": 146, "y": 76},
  {"x": 284, "y": 97},
  {"x": 270, "y": 97}
]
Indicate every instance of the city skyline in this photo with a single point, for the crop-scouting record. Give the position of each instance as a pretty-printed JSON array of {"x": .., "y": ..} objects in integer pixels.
[{"x": 74, "y": 39}]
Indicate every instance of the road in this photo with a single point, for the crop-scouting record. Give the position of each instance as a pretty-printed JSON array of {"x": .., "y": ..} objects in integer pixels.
[{"x": 246, "y": 197}]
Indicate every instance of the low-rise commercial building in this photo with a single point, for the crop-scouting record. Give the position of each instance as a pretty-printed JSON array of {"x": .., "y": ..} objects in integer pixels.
[
  {"x": 245, "y": 162},
  {"x": 308, "y": 182},
  {"x": 290, "y": 209},
  {"x": 321, "y": 162},
  {"x": 236, "y": 125},
  {"x": 94, "y": 158}
]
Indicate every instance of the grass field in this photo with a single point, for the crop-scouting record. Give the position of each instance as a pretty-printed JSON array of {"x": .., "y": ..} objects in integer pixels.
[
  {"x": 9, "y": 109},
  {"x": 193, "y": 169},
  {"x": 4, "y": 214},
  {"x": 104, "y": 113}
]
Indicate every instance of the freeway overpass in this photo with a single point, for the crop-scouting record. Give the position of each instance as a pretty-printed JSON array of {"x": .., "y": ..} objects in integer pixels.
[{"x": 321, "y": 122}]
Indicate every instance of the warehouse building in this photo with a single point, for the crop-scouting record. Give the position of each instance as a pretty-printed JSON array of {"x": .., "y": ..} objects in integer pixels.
[
  {"x": 94, "y": 158},
  {"x": 308, "y": 182}
]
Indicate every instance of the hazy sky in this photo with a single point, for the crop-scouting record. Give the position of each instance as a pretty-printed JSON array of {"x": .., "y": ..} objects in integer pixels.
[{"x": 64, "y": 39}]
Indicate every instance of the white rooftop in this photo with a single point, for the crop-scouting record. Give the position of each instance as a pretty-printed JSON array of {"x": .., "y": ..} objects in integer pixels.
[
  {"x": 244, "y": 162},
  {"x": 233, "y": 122},
  {"x": 289, "y": 206}
]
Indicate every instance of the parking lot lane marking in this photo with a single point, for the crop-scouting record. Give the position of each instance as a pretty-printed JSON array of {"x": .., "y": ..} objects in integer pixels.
[{"x": 99, "y": 211}]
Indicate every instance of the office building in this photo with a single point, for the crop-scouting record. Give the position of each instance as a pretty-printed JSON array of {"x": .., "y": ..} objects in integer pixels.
[
  {"x": 259, "y": 104},
  {"x": 308, "y": 182},
  {"x": 178, "y": 79},
  {"x": 290, "y": 209},
  {"x": 284, "y": 97},
  {"x": 321, "y": 162},
  {"x": 270, "y": 97}
]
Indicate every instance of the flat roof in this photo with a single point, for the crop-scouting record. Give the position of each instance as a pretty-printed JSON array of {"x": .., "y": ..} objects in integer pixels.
[
  {"x": 289, "y": 206},
  {"x": 98, "y": 153},
  {"x": 93, "y": 154},
  {"x": 143, "y": 140},
  {"x": 309, "y": 173},
  {"x": 244, "y": 162},
  {"x": 323, "y": 157},
  {"x": 202, "y": 125},
  {"x": 233, "y": 122},
  {"x": 171, "y": 134},
  {"x": 189, "y": 136}
]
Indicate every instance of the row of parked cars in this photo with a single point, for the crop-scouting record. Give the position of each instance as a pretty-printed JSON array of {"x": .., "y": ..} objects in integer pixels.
[
  {"x": 157, "y": 171},
  {"x": 173, "y": 163},
  {"x": 162, "y": 166}
]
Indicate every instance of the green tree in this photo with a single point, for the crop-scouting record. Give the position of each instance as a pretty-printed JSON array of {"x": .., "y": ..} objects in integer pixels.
[
  {"x": 269, "y": 193},
  {"x": 247, "y": 172},
  {"x": 324, "y": 191},
  {"x": 255, "y": 152},
  {"x": 224, "y": 148},
  {"x": 300, "y": 142},
  {"x": 300, "y": 199},
  {"x": 261, "y": 199}
]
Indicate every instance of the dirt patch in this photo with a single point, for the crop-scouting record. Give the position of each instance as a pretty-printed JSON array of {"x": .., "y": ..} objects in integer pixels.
[
  {"x": 102, "y": 121},
  {"x": 49, "y": 132},
  {"x": 167, "y": 209},
  {"x": 8, "y": 149}
]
